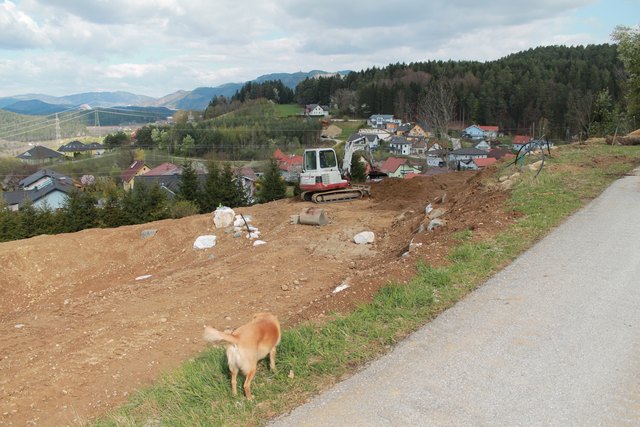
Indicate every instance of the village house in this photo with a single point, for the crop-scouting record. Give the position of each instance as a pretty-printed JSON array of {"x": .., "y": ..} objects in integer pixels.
[
  {"x": 40, "y": 154},
  {"x": 463, "y": 157},
  {"x": 483, "y": 162},
  {"x": 45, "y": 189},
  {"x": 436, "y": 157},
  {"x": 480, "y": 132},
  {"x": 483, "y": 145},
  {"x": 382, "y": 134},
  {"x": 400, "y": 145},
  {"x": 372, "y": 139},
  {"x": 316, "y": 110},
  {"x": 396, "y": 167},
  {"x": 136, "y": 168},
  {"x": 290, "y": 166},
  {"x": 383, "y": 121},
  {"x": 519, "y": 140},
  {"x": 76, "y": 148},
  {"x": 418, "y": 131}
]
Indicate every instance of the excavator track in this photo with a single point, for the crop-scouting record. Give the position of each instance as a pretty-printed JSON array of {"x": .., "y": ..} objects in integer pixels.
[{"x": 342, "y": 195}]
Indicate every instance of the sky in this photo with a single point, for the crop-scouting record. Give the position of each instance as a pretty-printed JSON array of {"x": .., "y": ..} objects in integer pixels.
[{"x": 157, "y": 47}]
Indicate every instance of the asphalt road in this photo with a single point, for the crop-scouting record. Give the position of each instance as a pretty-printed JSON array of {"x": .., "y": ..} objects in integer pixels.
[{"x": 553, "y": 340}]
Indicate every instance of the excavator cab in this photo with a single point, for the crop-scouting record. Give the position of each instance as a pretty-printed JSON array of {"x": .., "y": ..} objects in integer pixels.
[
  {"x": 321, "y": 180},
  {"x": 320, "y": 171}
]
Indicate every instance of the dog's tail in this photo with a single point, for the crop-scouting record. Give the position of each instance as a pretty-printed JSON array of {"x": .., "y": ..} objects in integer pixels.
[{"x": 215, "y": 336}]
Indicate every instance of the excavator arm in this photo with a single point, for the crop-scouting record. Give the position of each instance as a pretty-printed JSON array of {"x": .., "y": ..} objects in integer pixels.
[{"x": 350, "y": 147}]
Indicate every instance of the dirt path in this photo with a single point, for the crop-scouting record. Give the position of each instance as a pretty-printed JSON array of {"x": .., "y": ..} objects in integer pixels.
[{"x": 79, "y": 333}]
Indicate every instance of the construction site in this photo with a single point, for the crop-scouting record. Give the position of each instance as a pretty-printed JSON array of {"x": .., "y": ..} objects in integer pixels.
[{"x": 90, "y": 317}]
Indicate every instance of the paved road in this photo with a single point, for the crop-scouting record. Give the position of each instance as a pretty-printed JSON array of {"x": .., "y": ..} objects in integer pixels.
[{"x": 554, "y": 340}]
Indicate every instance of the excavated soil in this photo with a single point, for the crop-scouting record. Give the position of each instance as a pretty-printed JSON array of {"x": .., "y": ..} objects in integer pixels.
[{"x": 81, "y": 328}]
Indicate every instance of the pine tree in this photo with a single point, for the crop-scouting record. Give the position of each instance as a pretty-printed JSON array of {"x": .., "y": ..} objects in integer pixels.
[
  {"x": 272, "y": 186},
  {"x": 79, "y": 211},
  {"x": 28, "y": 220},
  {"x": 157, "y": 204},
  {"x": 210, "y": 197},
  {"x": 231, "y": 192},
  {"x": 189, "y": 183},
  {"x": 112, "y": 213}
]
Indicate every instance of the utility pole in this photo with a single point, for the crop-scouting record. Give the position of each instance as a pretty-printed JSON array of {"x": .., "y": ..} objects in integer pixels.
[
  {"x": 97, "y": 123},
  {"x": 58, "y": 132}
]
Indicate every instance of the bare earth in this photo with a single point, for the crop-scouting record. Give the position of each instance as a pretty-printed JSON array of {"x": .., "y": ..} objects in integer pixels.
[{"x": 79, "y": 333}]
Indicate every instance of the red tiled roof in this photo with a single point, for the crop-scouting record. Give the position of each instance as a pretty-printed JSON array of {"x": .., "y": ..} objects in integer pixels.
[
  {"x": 279, "y": 155},
  {"x": 132, "y": 170},
  {"x": 287, "y": 162},
  {"x": 482, "y": 162},
  {"x": 489, "y": 128},
  {"x": 521, "y": 139},
  {"x": 164, "y": 169},
  {"x": 392, "y": 164}
]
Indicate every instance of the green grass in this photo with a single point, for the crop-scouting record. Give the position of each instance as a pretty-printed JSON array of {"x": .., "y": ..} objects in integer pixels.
[
  {"x": 348, "y": 128},
  {"x": 286, "y": 110},
  {"x": 199, "y": 392}
]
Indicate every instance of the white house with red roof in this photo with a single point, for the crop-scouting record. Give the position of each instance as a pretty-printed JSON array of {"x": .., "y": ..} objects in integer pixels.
[
  {"x": 519, "y": 141},
  {"x": 398, "y": 168}
]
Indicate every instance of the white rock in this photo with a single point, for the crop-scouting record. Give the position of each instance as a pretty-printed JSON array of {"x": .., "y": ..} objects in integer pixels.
[
  {"x": 143, "y": 277},
  {"x": 435, "y": 223},
  {"x": 204, "y": 242},
  {"x": 253, "y": 235},
  {"x": 259, "y": 242},
  {"x": 428, "y": 209},
  {"x": 364, "y": 237},
  {"x": 223, "y": 217},
  {"x": 239, "y": 222},
  {"x": 437, "y": 213},
  {"x": 340, "y": 288}
]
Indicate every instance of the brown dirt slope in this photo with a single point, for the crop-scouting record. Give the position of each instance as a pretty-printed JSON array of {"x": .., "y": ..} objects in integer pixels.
[{"x": 79, "y": 333}]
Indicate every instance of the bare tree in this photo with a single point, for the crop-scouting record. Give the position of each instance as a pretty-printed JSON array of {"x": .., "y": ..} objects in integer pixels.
[
  {"x": 581, "y": 107},
  {"x": 436, "y": 109}
]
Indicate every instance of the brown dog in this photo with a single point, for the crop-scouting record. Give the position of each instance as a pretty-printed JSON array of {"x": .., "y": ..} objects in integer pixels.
[{"x": 247, "y": 345}]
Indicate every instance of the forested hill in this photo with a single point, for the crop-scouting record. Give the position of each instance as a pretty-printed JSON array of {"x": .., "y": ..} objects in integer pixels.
[{"x": 555, "y": 86}]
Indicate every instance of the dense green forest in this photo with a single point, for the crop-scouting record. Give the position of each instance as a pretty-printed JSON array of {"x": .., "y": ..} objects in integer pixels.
[{"x": 565, "y": 89}]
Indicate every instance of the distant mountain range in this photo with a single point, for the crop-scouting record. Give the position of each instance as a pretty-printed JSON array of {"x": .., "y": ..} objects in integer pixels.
[{"x": 197, "y": 99}]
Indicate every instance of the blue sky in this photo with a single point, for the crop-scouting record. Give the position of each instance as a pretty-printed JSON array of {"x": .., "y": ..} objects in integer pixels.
[{"x": 156, "y": 47}]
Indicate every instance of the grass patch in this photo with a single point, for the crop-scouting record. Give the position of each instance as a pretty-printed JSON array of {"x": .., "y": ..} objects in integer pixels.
[
  {"x": 311, "y": 357},
  {"x": 287, "y": 110},
  {"x": 348, "y": 128}
]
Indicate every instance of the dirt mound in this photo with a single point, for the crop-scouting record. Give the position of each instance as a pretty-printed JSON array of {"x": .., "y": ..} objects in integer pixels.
[{"x": 88, "y": 317}]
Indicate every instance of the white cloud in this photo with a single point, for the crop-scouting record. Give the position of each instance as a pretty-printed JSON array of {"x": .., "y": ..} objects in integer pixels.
[
  {"x": 154, "y": 47},
  {"x": 18, "y": 30}
]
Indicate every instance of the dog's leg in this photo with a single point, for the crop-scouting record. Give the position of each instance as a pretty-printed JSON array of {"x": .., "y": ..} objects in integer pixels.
[
  {"x": 234, "y": 380},
  {"x": 247, "y": 384},
  {"x": 272, "y": 359}
]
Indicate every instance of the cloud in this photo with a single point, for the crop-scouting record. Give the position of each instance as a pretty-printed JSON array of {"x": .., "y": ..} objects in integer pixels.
[
  {"x": 157, "y": 46},
  {"x": 18, "y": 30}
]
